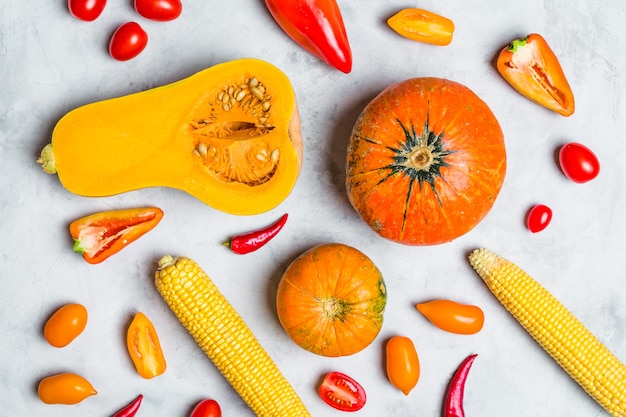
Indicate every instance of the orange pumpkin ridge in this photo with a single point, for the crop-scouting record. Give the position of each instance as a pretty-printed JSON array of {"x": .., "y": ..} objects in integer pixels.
[{"x": 426, "y": 161}]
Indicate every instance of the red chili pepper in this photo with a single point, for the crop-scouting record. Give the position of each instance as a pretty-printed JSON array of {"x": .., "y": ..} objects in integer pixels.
[
  {"x": 103, "y": 234},
  {"x": 453, "y": 406},
  {"x": 251, "y": 241},
  {"x": 317, "y": 26},
  {"x": 131, "y": 409}
]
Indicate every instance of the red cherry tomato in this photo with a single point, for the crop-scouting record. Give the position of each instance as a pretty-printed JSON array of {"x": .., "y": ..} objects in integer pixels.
[
  {"x": 87, "y": 10},
  {"x": 578, "y": 162},
  {"x": 161, "y": 10},
  {"x": 128, "y": 41},
  {"x": 207, "y": 408},
  {"x": 342, "y": 392},
  {"x": 538, "y": 218}
]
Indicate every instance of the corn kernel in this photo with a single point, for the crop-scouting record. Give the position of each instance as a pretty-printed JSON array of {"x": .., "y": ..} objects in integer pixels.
[
  {"x": 225, "y": 338},
  {"x": 563, "y": 336}
]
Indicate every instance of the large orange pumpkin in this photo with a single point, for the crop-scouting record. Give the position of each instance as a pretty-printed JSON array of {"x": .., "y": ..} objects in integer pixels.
[
  {"x": 426, "y": 161},
  {"x": 331, "y": 300}
]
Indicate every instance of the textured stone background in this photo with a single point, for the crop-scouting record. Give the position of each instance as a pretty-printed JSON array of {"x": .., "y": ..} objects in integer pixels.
[{"x": 51, "y": 63}]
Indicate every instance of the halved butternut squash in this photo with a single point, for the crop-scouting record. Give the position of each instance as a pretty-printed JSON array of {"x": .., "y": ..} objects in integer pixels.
[{"x": 228, "y": 135}]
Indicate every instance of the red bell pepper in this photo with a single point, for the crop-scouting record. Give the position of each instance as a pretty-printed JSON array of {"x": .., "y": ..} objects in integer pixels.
[
  {"x": 532, "y": 68},
  {"x": 317, "y": 26},
  {"x": 100, "y": 235}
]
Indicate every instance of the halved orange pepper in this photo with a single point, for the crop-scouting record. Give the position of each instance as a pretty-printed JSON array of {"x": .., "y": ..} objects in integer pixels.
[
  {"x": 422, "y": 26},
  {"x": 532, "y": 68},
  {"x": 103, "y": 234},
  {"x": 144, "y": 347}
]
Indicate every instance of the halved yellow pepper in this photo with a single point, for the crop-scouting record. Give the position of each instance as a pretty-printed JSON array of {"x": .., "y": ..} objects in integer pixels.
[
  {"x": 422, "y": 26},
  {"x": 144, "y": 347}
]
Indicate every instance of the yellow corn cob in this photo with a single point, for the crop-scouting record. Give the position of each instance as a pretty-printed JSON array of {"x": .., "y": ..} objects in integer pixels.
[
  {"x": 564, "y": 337},
  {"x": 222, "y": 334}
]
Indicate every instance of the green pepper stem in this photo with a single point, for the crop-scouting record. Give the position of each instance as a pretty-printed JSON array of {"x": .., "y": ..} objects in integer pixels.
[{"x": 516, "y": 44}]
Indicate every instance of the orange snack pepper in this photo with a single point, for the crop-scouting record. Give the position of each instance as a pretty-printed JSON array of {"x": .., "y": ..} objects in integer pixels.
[{"x": 532, "y": 68}]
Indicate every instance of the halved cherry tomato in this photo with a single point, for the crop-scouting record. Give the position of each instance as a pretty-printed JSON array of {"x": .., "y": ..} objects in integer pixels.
[
  {"x": 422, "y": 26},
  {"x": 342, "y": 392},
  {"x": 538, "y": 218},
  {"x": 128, "y": 41},
  {"x": 87, "y": 10},
  {"x": 207, "y": 408},
  {"x": 403, "y": 366},
  {"x": 160, "y": 10},
  {"x": 453, "y": 317},
  {"x": 144, "y": 347},
  {"x": 65, "y": 324},
  {"x": 578, "y": 162},
  {"x": 103, "y": 234},
  {"x": 65, "y": 388}
]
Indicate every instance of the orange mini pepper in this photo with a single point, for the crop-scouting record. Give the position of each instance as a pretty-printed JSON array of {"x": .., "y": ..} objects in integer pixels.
[
  {"x": 453, "y": 317},
  {"x": 103, "y": 234},
  {"x": 65, "y": 324},
  {"x": 422, "y": 26},
  {"x": 403, "y": 365},
  {"x": 532, "y": 68},
  {"x": 65, "y": 388},
  {"x": 144, "y": 347}
]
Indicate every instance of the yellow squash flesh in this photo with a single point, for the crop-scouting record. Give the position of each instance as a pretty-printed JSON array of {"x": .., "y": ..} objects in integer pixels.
[{"x": 228, "y": 135}]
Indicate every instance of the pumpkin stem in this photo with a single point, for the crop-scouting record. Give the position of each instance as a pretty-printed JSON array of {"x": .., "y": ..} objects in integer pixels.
[
  {"x": 334, "y": 309},
  {"x": 421, "y": 158}
]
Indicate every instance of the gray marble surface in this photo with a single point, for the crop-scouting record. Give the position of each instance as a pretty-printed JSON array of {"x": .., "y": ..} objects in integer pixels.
[{"x": 51, "y": 63}]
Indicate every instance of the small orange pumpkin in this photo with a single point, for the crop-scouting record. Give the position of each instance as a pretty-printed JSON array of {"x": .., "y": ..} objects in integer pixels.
[
  {"x": 331, "y": 300},
  {"x": 426, "y": 161}
]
